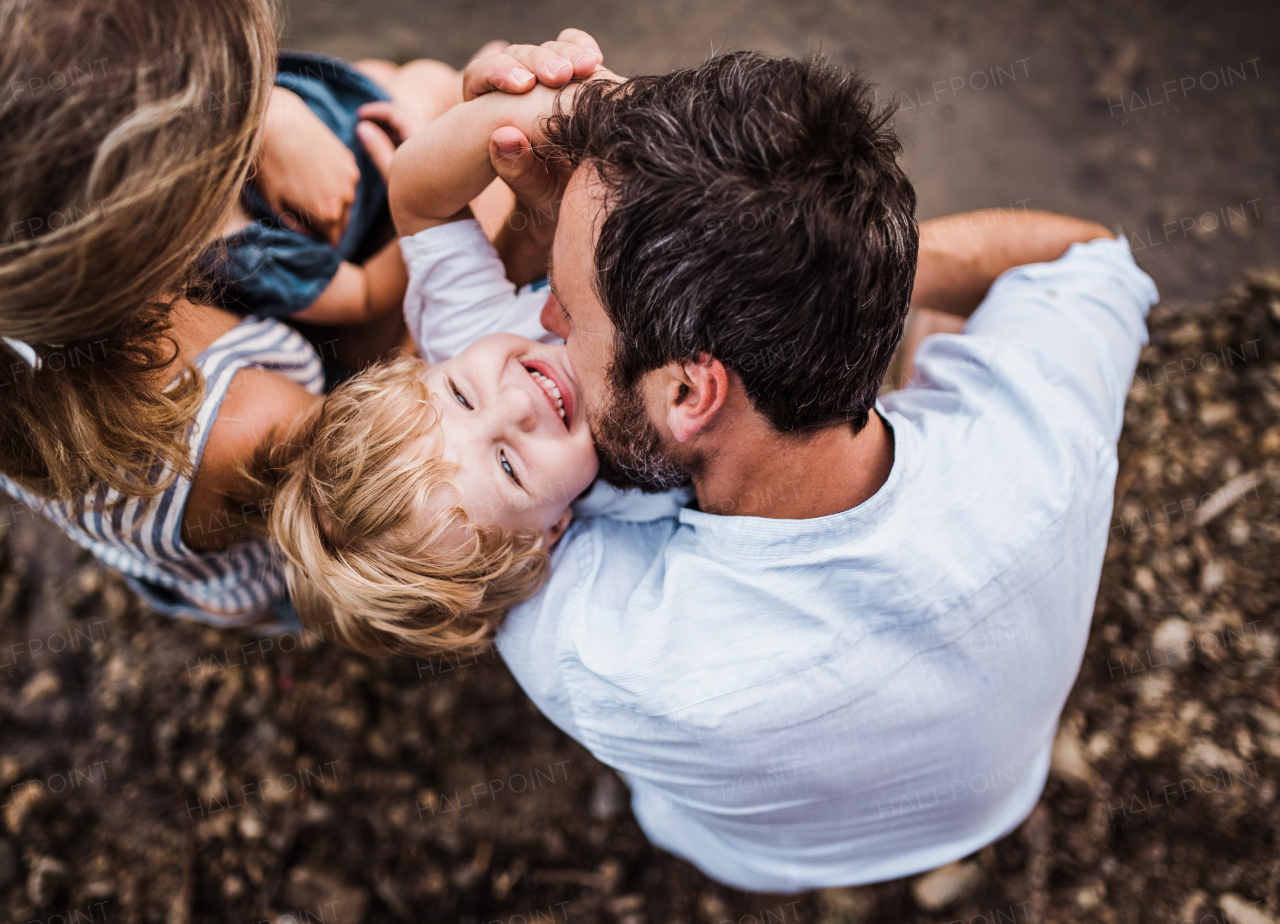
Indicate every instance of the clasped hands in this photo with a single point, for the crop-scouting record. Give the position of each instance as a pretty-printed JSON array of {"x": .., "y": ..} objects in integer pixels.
[
  {"x": 574, "y": 55},
  {"x": 318, "y": 200}
]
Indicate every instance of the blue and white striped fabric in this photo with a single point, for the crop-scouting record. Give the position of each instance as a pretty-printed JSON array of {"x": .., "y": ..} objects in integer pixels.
[
  {"x": 863, "y": 696},
  {"x": 143, "y": 540}
]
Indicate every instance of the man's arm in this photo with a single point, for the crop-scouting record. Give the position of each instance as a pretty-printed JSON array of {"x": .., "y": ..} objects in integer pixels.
[
  {"x": 524, "y": 240},
  {"x": 962, "y": 255}
]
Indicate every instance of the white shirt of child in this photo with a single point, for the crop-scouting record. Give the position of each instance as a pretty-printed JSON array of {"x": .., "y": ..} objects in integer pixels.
[{"x": 863, "y": 696}]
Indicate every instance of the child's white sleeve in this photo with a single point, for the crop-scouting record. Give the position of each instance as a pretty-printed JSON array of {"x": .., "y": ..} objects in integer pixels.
[{"x": 458, "y": 292}]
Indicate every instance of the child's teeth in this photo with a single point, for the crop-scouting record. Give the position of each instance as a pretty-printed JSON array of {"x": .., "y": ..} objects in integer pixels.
[{"x": 550, "y": 388}]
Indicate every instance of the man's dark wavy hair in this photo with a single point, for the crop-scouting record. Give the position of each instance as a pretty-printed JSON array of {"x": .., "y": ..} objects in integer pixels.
[{"x": 755, "y": 211}]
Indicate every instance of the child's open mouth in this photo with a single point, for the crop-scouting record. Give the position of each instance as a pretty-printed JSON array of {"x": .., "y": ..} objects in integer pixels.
[{"x": 545, "y": 377}]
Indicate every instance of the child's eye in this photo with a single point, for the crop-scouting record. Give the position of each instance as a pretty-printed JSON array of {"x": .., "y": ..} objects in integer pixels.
[
  {"x": 506, "y": 467},
  {"x": 461, "y": 400}
]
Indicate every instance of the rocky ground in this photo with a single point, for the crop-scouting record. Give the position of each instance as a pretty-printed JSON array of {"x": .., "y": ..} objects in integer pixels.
[{"x": 160, "y": 771}]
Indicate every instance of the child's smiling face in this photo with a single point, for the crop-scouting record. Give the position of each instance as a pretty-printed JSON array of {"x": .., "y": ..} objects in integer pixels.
[{"x": 513, "y": 419}]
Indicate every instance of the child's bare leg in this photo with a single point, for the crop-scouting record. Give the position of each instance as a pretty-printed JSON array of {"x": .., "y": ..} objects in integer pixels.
[
  {"x": 425, "y": 88},
  {"x": 379, "y": 71},
  {"x": 429, "y": 87}
]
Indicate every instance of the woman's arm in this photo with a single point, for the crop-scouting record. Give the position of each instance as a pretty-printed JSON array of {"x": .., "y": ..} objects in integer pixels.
[{"x": 259, "y": 405}]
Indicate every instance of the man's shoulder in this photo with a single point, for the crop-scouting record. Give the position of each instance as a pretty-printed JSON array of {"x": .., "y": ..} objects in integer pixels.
[
  {"x": 596, "y": 567},
  {"x": 992, "y": 452},
  {"x": 1082, "y": 319}
]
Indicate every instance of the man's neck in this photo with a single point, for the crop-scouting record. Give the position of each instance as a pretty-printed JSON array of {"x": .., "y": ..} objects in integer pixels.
[{"x": 756, "y": 472}]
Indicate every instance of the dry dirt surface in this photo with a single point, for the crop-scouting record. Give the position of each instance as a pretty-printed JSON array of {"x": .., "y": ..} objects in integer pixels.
[
  {"x": 156, "y": 771},
  {"x": 160, "y": 771}
]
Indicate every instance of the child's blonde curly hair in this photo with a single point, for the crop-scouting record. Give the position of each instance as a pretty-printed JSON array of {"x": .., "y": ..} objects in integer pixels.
[{"x": 370, "y": 547}]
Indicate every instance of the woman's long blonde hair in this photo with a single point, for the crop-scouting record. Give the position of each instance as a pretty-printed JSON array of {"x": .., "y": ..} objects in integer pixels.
[{"x": 126, "y": 130}]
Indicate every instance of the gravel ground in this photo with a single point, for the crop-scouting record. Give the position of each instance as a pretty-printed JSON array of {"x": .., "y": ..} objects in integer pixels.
[{"x": 161, "y": 771}]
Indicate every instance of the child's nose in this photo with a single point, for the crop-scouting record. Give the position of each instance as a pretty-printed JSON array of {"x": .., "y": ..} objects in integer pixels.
[{"x": 520, "y": 408}]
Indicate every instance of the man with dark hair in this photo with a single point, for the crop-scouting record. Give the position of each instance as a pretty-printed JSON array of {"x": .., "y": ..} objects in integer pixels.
[
  {"x": 769, "y": 220},
  {"x": 844, "y": 659}
]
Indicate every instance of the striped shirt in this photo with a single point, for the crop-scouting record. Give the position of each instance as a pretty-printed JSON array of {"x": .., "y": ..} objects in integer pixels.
[{"x": 143, "y": 540}]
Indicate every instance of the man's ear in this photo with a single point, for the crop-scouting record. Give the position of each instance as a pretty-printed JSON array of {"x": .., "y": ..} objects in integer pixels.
[
  {"x": 552, "y": 533},
  {"x": 694, "y": 392}
]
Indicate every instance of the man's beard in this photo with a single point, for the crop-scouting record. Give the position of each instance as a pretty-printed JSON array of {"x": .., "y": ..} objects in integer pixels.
[{"x": 630, "y": 446}]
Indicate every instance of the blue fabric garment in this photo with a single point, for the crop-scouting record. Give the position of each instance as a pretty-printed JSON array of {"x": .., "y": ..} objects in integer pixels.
[{"x": 267, "y": 269}]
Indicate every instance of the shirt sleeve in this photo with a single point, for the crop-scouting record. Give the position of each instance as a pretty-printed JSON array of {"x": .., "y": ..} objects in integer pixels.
[
  {"x": 1083, "y": 317},
  {"x": 458, "y": 292}
]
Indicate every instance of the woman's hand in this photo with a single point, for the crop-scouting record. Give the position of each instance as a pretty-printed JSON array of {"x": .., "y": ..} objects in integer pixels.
[
  {"x": 305, "y": 172},
  {"x": 573, "y": 55}
]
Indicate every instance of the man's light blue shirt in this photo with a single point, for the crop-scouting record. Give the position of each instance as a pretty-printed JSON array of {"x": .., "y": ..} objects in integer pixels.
[{"x": 858, "y": 697}]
